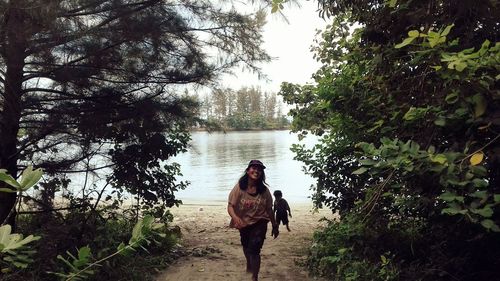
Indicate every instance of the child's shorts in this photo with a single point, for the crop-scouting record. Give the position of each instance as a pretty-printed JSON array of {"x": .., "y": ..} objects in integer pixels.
[{"x": 281, "y": 218}]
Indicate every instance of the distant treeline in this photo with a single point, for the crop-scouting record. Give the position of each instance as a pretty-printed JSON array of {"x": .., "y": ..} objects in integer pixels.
[{"x": 243, "y": 109}]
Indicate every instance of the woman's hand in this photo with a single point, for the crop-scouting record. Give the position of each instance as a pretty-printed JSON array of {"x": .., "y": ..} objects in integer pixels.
[
  {"x": 275, "y": 232},
  {"x": 238, "y": 222}
]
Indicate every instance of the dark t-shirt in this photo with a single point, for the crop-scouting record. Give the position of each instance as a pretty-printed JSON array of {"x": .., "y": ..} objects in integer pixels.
[{"x": 280, "y": 207}]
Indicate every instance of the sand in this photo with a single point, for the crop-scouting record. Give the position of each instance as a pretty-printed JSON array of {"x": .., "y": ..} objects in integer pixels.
[{"x": 214, "y": 251}]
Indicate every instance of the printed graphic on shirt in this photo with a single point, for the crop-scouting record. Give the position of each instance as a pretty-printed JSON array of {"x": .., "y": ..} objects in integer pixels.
[{"x": 250, "y": 203}]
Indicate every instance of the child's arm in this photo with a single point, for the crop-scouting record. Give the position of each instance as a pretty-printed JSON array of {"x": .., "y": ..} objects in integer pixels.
[{"x": 288, "y": 208}]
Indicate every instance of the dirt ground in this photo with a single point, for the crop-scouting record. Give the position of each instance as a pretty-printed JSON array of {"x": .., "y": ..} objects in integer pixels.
[{"x": 214, "y": 251}]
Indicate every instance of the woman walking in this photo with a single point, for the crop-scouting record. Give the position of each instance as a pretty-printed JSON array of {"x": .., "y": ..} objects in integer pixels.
[{"x": 250, "y": 206}]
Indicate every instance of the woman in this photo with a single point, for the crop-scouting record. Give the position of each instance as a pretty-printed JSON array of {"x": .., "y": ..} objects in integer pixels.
[{"x": 250, "y": 206}]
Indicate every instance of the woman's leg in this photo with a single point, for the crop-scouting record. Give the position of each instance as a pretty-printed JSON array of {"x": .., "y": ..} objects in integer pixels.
[
  {"x": 257, "y": 236},
  {"x": 255, "y": 262},
  {"x": 247, "y": 257},
  {"x": 245, "y": 238}
]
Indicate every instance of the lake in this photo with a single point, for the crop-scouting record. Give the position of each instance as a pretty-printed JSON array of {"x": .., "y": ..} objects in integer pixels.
[{"x": 215, "y": 161}]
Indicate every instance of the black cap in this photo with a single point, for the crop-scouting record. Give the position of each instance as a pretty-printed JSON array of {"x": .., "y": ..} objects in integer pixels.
[{"x": 256, "y": 163}]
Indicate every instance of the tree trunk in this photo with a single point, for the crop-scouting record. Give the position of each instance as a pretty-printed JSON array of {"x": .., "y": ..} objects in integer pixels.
[{"x": 14, "y": 56}]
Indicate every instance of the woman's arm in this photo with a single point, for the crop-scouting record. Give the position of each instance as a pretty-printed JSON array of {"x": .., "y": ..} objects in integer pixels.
[
  {"x": 238, "y": 223},
  {"x": 275, "y": 232},
  {"x": 270, "y": 213}
]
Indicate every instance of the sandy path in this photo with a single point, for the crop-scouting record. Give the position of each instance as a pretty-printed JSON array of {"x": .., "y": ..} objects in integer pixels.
[{"x": 216, "y": 254}]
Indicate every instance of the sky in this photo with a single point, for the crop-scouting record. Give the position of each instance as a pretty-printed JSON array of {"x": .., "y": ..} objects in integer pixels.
[{"x": 289, "y": 44}]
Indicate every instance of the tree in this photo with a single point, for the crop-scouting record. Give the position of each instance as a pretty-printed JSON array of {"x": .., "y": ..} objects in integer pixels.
[
  {"x": 95, "y": 78},
  {"x": 407, "y": 106},
  {"x": 220, "y": 103},
  {"x": 243, "y": 101},
  {"x": 255, "y": 95},
  {"x": 270, "y": 105}
]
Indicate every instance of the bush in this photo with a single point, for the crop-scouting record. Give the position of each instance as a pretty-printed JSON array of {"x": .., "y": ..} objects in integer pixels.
[
  {"x": 344, "y": 251},
  {"x": 103, "y": 236},
  {"x": 412, "y": 249}
]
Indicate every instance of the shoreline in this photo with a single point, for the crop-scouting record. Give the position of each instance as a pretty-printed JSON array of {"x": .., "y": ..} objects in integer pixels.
[
  {"x": 237, "y": 130},
  {"x": 213, "y": 249}
]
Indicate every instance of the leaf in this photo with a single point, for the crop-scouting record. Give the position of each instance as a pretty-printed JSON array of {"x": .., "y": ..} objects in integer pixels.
[
  {"x": 447, "y": 30},
  {"x": 480, "y": 105},
  {"x": 434, "y": 39},
  {"x": 439, "y": 158},
  {"x": 441, "y": 121},
  {"x": 392, "y": 3},
  {"x": 481, "y": 194},
  {"x": 360, "y": 171},
  {"x": 136, "y": 231},
  {"x": 368, "y": 162},
  {"x": 377, "y": 124},
  {"x": 451, "y": 98},
  {"x": 383, "y": 259},
  {"x": 8, "y": 190},
  {"x": 30, "y": 177},
  {"x": 4, "y": 234},
  {"x": 84, "y": 253},
  {"x": 450, "y": 197},
  {"x": 486, "y": 212},
  {"x": 12, "y": 241},
  {"x": 476, "y": 159},
  {"x": 8, "y": 179},
  {"x": 453, "y": 211},
  {"x": 460, "y": 66},
  {"x": 479, "y": 171},
  {"x": 342, "y": 251},
  {"x": 480, "y": 183},
  {"x": 410, "y": 114},
  {"x": 405, "y": 42},
  {"x": 413, "y": 33},
  {"x": 489, "y": 224}
]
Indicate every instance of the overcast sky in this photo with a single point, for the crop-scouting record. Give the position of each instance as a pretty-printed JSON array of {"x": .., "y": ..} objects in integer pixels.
[{"x": 289, "y": 43}]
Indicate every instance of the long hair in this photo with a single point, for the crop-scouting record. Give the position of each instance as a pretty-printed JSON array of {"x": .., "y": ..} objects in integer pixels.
[{"x": 261, "y": 182}]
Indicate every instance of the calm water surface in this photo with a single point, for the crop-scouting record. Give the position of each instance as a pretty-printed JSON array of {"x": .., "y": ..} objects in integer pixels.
[{"x": 215, "y": 162}]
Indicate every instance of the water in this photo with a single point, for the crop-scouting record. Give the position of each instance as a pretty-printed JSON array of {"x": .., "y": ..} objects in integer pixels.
[{"x": 216, "y": 161}]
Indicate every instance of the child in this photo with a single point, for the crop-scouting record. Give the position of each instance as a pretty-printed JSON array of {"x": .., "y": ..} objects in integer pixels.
[{"x": 280, "y": 208}]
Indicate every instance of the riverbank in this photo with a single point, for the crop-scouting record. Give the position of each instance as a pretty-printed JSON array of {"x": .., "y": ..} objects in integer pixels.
[
  {"x": 237, "y": 130},
  {"x": 214, "y": 252}
]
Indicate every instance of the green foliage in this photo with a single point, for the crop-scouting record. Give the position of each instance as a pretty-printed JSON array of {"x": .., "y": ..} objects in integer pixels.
[
  {"x": 406, "y": 103},
  {"x": 14, "y": 251},
  {"x": 337, "y": 253},
  {"x": 80, "y": 267},
  {"x": 28, "y": 179},
  {"x": 113, "y": 76},
  {"x": 458, "y": 180},
  {"x": 244, "y": 109},
  {"x": 16, "y": 255}
]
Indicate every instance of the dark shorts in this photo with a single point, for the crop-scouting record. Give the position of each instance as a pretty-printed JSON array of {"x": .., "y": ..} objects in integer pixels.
[
  {"x": 252, "y": 237},
  {"x": 281, "y": 218}
]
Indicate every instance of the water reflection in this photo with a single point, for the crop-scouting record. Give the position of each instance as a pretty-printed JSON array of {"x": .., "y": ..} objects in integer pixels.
[{"x": 215, "y": 162}]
